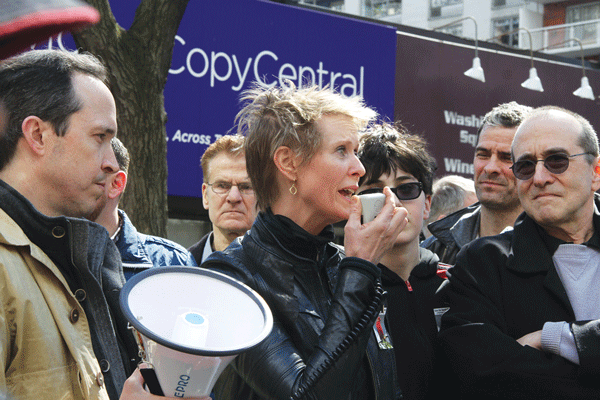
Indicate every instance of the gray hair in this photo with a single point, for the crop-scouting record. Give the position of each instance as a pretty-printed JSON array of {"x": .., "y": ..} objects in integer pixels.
[
  {"x": 121, "y": 154},
  {"x": 507, "y": 115},
  {"x": 449, "y": 194},
  {"x": 588, "y": 140}
]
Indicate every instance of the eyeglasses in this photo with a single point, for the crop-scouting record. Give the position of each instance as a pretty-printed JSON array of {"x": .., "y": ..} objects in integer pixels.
[
  {"x": 555, "y": 163},
  {"x": 406, "y": 191},
  {"x": 221, "y": 188}
]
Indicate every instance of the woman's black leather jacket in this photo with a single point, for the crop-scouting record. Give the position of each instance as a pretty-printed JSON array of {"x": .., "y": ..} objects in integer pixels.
[{"x": 324, "y": 306}]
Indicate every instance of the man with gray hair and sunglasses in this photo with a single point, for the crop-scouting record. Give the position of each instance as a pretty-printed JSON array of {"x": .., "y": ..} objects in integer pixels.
[
  {"x": 495, "y": 187},
  {"x": 521, "y": 313}
]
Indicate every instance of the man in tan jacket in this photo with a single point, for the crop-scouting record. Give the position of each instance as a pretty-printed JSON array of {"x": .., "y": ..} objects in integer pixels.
[{"x": 62, "y": 335}]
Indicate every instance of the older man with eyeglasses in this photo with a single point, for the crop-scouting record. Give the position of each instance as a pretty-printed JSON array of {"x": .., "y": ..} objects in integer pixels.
[
  {"x": 227, "y": 194},
  {"x": 522, "y": 309}
]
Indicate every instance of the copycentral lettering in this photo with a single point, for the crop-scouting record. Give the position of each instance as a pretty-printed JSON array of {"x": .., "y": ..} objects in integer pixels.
[
  {"x": 184, "y": 380},
  {"x": 222, "y": 67}
]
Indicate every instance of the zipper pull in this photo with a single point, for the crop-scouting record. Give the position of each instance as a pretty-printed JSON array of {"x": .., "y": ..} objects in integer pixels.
[{"x": 383, "y": 338}]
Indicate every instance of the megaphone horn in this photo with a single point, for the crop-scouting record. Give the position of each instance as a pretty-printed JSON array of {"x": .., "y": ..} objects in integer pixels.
[{"x": 190, "y": 323}]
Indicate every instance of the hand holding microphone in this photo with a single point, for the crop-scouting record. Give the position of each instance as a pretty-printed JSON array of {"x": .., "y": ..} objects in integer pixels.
[
  {"x": 370, "y": 240},
  {"x": 371, "y": 205}
]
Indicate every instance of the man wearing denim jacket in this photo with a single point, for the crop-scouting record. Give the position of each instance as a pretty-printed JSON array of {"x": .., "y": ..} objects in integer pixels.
[{"x": 138, "y": 251}]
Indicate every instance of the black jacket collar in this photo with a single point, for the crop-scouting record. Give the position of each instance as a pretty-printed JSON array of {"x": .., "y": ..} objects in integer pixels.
[
  {"x": 48, "y": 233},
  {"x": 460, "y": 227},
  {"x": 533, "y": 255}
]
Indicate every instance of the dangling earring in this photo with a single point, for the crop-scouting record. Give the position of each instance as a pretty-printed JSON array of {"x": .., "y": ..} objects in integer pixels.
[{"x": 293, "y": 189}]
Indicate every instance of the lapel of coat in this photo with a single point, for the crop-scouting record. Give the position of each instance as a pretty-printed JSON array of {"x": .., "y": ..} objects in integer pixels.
[{"x": 529, "y": 257}]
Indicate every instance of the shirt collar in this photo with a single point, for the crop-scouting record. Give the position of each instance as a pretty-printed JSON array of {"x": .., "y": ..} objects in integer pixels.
[
  {"x": 208, "y": 247},
  {"x": 552, "y": 242}
]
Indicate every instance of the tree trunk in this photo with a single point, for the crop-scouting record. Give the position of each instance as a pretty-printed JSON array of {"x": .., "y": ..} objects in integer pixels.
[{"x": 138, "y": 61}]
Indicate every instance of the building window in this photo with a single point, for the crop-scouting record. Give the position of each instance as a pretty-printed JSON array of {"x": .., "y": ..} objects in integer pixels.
[
  {"x": 382, "y": 8},
  {"x": 510, "y": 3},
  {"x": 586, "y": 12},
  {"x": 504, "y": 25},
  {"x": 445, "y": 8}
]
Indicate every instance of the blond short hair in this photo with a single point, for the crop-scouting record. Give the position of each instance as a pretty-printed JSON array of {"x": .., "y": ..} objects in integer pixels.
[{"x": 286, "y": 116}]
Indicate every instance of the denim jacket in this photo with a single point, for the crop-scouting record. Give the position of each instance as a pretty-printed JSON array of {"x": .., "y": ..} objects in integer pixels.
[{"x": 140, "y": 251}]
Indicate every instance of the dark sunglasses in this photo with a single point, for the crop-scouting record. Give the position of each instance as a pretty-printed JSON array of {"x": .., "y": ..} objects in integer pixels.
[
  {"x": 555, "y": 163},
  {"x": 406, "y": 191}
]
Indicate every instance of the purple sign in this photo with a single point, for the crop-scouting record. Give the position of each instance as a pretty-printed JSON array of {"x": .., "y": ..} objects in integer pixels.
[{"x": 223, "y": 47}]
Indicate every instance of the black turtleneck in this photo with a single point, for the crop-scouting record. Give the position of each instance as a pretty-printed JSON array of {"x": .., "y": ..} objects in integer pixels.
[{"x": 295, "y": 239}]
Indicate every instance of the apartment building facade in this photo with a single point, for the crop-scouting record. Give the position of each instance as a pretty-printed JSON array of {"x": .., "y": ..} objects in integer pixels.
[{"x": 568, "y": 28}]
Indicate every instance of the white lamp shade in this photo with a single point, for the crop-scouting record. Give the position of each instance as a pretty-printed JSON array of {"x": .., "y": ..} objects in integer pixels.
[
  {"x": 533, "y": 83},
  {"x": 476, "y": 72},
  {"x": 585, "y": 91}
]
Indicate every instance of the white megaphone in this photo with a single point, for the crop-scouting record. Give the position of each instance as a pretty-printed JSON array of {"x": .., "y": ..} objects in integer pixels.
[{"x": 190, "y": 323}]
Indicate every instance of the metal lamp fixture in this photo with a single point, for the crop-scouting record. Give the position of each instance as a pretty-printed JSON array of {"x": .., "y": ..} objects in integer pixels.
[
  {"x": 585, "y": 90},
  {"x": 534, "y": 82},
  {"x": 475, "y": 72}
]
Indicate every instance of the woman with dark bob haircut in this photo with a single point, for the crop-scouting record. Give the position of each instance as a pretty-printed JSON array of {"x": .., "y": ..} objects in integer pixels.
[{"x": 328, "y": 339}]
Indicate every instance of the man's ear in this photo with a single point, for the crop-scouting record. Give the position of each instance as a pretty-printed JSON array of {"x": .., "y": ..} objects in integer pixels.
[
  {"x": 204, "y": 196},
  {"x": 287, "y": 162},
  {"x": 117, "y": 186},
  {"x": 36, "y": 133},
  {"x": 427, "y": 208},
  {"x": 596, "y": 176}
]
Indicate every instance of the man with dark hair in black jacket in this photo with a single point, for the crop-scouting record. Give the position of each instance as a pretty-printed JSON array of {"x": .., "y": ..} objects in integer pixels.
[{"x": 495, "y": 186}]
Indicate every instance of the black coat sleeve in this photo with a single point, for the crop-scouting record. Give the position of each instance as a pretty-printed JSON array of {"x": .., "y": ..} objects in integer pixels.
[
  {"x": 276, "y": 369},
  {"x": 478, "y": 337}
]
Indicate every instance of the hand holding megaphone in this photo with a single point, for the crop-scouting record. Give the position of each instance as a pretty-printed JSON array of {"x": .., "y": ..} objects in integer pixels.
[
  {"x": 190, "y": 323},
  {"x": 134, "y": 388}
]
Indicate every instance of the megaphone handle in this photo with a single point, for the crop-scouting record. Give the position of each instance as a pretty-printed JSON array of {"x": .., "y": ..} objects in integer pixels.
[{"x": 151, "y": 381}]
